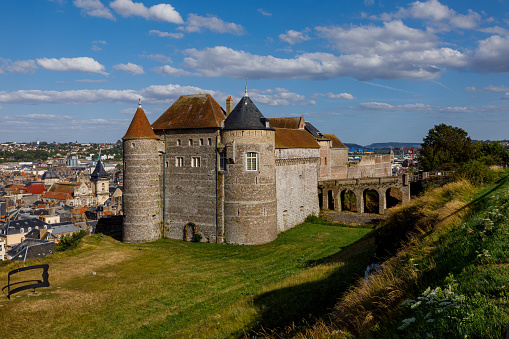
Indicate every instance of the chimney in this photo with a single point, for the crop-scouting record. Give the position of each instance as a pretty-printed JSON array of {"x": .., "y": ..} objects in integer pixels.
[{"x": 229, "y": 106}]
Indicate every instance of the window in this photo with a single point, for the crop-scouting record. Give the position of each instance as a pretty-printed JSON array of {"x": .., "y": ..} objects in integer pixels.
[
  {"x": 252, "y": 161},
  {"x": 209, "y": 141},
  {"x": 133, "y": 145},
  {"x": 195, "y": 162},
  {"x": 201, "y": 142},
  {"x": 179, "y": 161},
  {"x": 190, "y": 142},
  {"x": 222, "y": 161},
  {"x": 179, "y": 142}
]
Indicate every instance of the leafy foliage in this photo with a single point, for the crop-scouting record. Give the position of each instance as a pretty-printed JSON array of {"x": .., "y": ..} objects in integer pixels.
[{"x": 70, "y": 242}]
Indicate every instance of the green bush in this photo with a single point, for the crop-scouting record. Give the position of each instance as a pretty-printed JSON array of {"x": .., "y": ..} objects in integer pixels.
[{"x": 71, "y": 241}]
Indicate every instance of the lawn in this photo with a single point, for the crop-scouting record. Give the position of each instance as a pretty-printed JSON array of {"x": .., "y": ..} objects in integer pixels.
[{"x": 170, "y": 288}]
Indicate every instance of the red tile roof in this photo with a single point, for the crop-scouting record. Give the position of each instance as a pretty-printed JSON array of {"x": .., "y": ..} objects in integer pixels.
[
  {"x": 191, "y": 111},
  {"x": 294, "y": 138},
  {"x": 140, "y": 127}
]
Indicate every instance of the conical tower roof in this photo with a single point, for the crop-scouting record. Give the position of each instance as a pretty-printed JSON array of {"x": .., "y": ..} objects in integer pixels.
[
  {"x": 140, "y": 127},
  {"x": 246, "y": 116},
  {"x": 99, "y": 172}
]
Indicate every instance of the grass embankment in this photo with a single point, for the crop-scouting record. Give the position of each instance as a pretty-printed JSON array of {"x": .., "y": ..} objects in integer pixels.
[
  {"x": 450, "y": 278},
  {"x": 170, "y": 288}
]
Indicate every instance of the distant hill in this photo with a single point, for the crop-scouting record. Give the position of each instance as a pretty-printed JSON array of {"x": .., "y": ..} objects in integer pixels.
[{"x": 384, "y": 145}]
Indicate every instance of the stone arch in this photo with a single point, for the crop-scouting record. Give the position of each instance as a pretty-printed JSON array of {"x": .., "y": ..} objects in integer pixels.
[
  {"x": 348, "y": 200},
  {"x": 330, "y": 200},
  {"x": 393, "y": 197},
  {"x": 371, "y": 201},
  {"x": 189, "y": 232}
]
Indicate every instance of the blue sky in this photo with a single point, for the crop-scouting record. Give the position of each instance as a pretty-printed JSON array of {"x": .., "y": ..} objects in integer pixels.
[{"x": 366, "y": 71}]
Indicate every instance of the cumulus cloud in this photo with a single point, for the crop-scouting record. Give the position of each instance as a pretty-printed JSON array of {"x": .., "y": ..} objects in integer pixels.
[
  {"x": 155, "y": 94},
  {"x": 345, "y": 96},
  {"x": 130, "y": 68},
  {"x": 195, "y": 23},
  {"x": 20, "y": 66},
  {"x": 168, "y": 70},
  {"x": 81, "y": 64},
  {"x": 439, "y": 17},
  {"x": 275, "y": 97},
  {"x": 491, "y": 55},
  {"x": 223, "y": 61},
  {"x": 166, "y": 34},
  {"x": 95, "y": 45},
  {"x": 161, "y": 12},
  {"x": 94, "y": 8},
  {"x": 392, "y": 37},
  {"x": 293, "y": 37}
]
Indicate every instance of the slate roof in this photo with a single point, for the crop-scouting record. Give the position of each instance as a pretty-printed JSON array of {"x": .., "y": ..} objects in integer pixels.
[
  {"x": 140, "y": 127},
  {"x": 31, "y": 249},
  {"x": 294, "y": 138},
  {"x": 336, "y": 143},
  {"x": 99, "y": 172},
  {"x": 66, "y": 228},
  {"x": 49, "y": 175},
  {"x": 293, "y": 123},
  {"x": 314, "y": 131},
  {"x": 15, "y": 226},
  {"x": 191, "y": 111},
  {"x": 246, "y": 116}
]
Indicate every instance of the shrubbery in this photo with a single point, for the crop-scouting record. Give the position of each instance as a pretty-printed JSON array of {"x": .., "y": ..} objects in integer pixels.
[{"x": 70, "y": 242}]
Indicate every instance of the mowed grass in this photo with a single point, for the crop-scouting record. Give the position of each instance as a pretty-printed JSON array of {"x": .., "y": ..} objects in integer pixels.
[{"x": 170, "y": 288}]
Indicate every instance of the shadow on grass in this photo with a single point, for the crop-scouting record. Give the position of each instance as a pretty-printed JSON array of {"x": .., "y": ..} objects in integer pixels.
[{"x": 305, "y": 303}]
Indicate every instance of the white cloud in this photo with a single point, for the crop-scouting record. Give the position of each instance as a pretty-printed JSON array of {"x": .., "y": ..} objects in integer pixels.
[
  {"x": 195, "y": 23},
  {"x": 157, "y": 57},
  {"x": 91, "y": 80},
  {"x": 161, "y": 12},
  {"x": 497, "y": 88},
  {"x": 439, "y": 17},
  {"x": 293, "y": 37},
  {"x": 168, "y": 70},
  {"x": 20, "y": 66},
  {"x": 419, "y": 107},
  {"x": 95, "y": 45},
  {"x": 155, "y": 94},
  {"x": 94, "y": 8},
  {"x": 275, "y": 97},
  {"x": 392, "y": 37},
  {"x": 166, "y": 34},
  {"x": 491, "y": 55},
  {"x": 223, "y": 61},
  {"x": 369, "y": 2},
  {"x": 263, "y": 12},
  {"x": 345, "y": 96},
  {"x": 81, "y": 64},
  {"x": 130, "y": 68}
]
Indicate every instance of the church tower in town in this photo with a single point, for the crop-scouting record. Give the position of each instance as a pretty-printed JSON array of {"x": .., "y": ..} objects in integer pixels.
[{"x": 100, "y": 182}]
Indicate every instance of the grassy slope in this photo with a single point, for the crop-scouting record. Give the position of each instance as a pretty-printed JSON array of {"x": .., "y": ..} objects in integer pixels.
[
  {"x": 177, "y": 289},
  {"x": 453, "y": 268}
]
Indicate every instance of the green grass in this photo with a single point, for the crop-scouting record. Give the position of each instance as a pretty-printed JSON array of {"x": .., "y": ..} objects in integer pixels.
[{"x": 171, "y": 288}]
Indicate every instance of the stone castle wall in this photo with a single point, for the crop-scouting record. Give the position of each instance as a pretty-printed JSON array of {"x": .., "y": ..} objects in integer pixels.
[
  {"x": 249, "y": 196},
  {"x": 190, "y": 190},
  {"x": 141, "y": 195},
  {"x": 296, "y": 186}
]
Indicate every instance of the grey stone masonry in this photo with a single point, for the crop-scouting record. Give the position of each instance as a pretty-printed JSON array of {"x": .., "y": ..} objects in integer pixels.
[
  {"x": 250, "y": 195},
  {"x": 190, "y": 189},
  {"x": 141, "y": 191}
]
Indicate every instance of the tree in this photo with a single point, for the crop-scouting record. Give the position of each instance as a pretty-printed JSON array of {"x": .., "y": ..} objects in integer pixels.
[{"x": 445, "y": 147}]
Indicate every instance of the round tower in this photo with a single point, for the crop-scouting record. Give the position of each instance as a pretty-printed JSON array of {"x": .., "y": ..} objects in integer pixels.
[
  {"x": 250, "y": 211},
  {"x": 141, "y": 196}
]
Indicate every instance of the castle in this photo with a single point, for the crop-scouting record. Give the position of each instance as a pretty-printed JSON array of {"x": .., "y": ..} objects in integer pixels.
[{"x": 202, "y": 173}]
